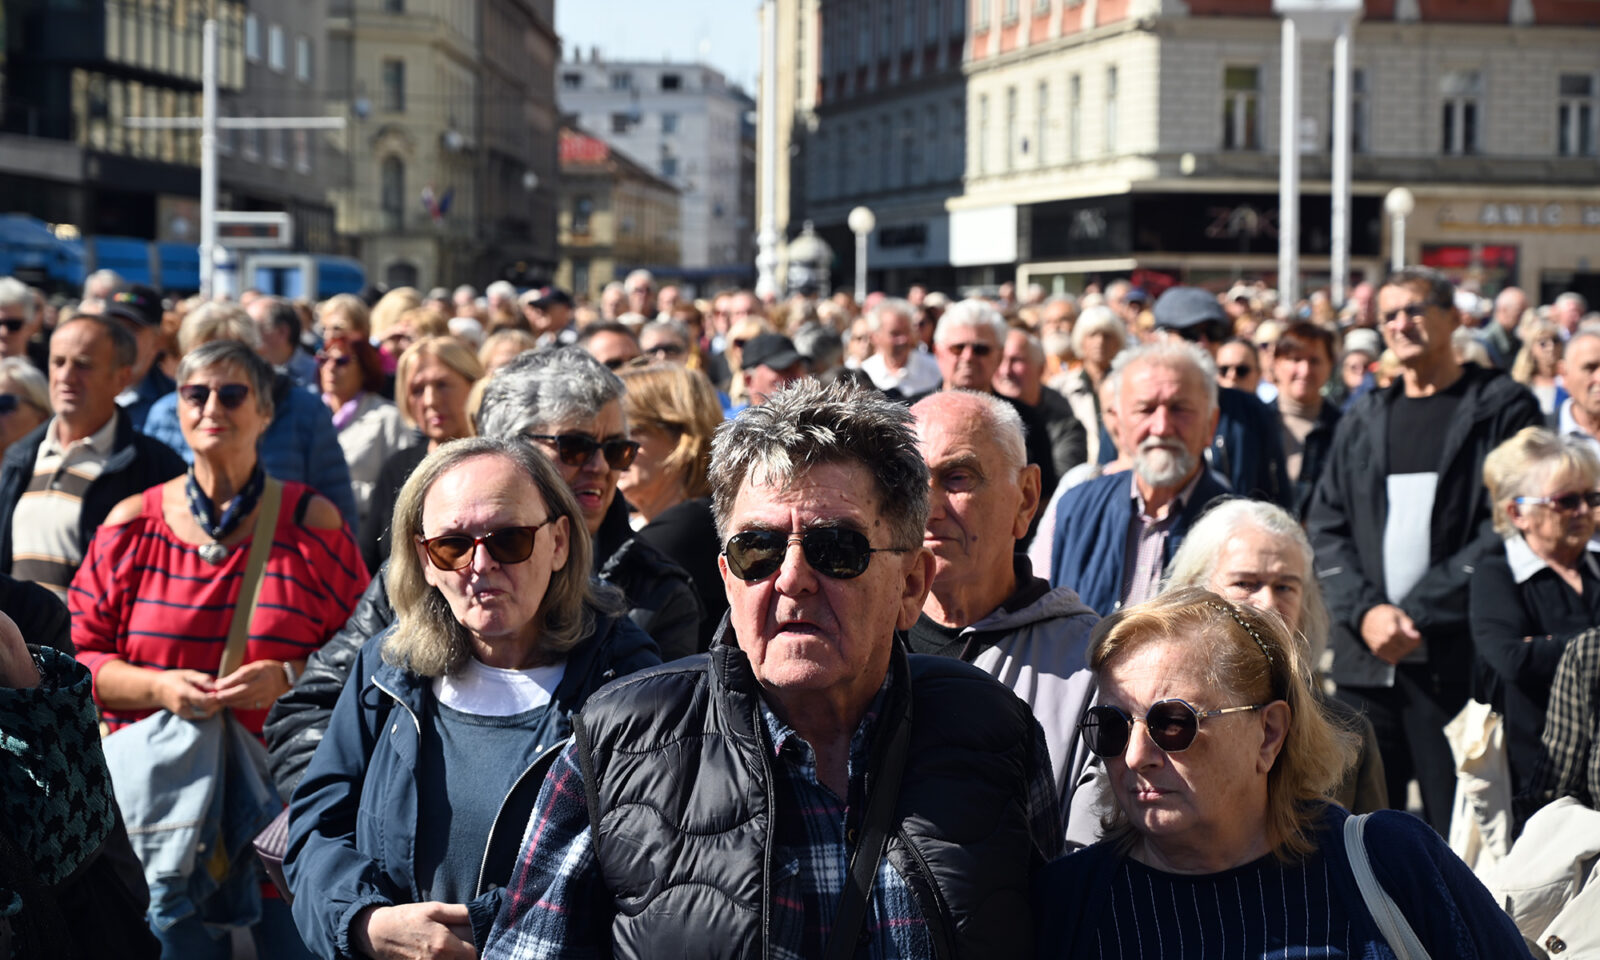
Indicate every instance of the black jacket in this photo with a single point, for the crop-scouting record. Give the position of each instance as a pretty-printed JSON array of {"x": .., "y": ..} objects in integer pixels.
[
  {"x": 298, "y": 719},
  {"x": 136, "y": 464},
  {"x": 1248, "y": 447},
  {"x": 1350, "y": 508},
  {"x": 677, "y": 772}
]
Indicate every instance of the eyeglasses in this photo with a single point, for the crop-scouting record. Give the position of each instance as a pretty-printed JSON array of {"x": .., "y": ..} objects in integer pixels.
[
  {"x": 978, "y": 349},
  {"x": 838, "y": 553},
  {"x": 1567, "y": 503},
  {"x": 1236, "y": 370},
  {"x": 230, "y": 395},
  {"x": 454, "y": 551},
  {"x": 12, "y": 324},
  {"x": 1172, "y": 725},
  {"x": 1416, "y": 310},
  {"x": 577, "y": 449},
  {"x": 343, "y": 360}
]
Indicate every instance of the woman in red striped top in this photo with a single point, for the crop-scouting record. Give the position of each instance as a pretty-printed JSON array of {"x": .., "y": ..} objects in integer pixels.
[{"x": 153, "y": 601}]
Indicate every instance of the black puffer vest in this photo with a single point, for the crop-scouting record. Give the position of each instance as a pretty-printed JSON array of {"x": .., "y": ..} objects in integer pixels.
[{"x": 676, "y": 761}]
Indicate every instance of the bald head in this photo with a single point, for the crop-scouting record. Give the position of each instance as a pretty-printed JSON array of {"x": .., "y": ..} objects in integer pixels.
[
  {"x": 986, "y": 416},
  {"x": 1509, "y": 307}
]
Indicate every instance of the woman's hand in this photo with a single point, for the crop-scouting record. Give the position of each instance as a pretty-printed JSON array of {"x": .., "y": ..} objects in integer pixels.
[
  {"x": 187, "y": 693},
  {"x": 253, "y": 686},
  {"x": 415, "y": 931}
]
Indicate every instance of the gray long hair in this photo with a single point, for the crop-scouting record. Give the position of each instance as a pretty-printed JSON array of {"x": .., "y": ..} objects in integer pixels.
[
  {"x": 429, "y": 641},
  {"x": 807, "y": 425},
  {"x": 545, "y": 387},
  {"x": 1196, "y": 560}
]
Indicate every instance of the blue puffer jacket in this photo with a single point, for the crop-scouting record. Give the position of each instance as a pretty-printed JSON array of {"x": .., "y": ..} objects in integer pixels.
[
  {"x": 353, "y": 820},
  {"x": 300, "y": 444}
]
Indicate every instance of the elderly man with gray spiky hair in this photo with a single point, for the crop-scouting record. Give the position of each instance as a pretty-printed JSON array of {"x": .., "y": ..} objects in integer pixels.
[{"x": 766, "y": 798}]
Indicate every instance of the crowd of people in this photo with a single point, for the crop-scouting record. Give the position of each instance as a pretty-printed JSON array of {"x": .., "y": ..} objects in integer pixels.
[{"x": 1134, "y": 623}]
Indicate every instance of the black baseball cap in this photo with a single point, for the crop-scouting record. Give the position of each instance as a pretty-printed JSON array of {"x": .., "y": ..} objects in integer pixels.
[
  {"x": 551, "y": 297},
  {"x": 137, "y": 304},
  {"x": 772, "y": 350}
]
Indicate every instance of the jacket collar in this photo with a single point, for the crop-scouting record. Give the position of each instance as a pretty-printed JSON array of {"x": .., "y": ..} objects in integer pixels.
[{"x": 1525, "y": 563}]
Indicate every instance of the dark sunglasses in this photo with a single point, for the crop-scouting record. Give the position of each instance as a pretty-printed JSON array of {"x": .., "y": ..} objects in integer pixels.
[
  {"x": 835, "y": 552},
  {"x": 12, "y": 324},
  {"x": 1236, "y": 370},
  {"x": 1417, "y": 310},
  {"x": 1172, "y": 725},
  {"x": 230, "y": 395},
  {"x": 1212, "y": 331},
  {"x": 576, "y": 449},
  {"x": 978, "y": 349},
  {"x": 1568, "y": 503},
  {"x": 666, "y": 350},
  {"x": 453, "y": 551},
  {"x": 343, "y": 360}
]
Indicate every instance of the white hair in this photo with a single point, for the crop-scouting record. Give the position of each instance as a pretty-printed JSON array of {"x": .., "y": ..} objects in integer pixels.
[
  {"x": 999, "y": 420},
  {"x": 1098, "y": 320},
  {"x": 15, "y": 293},
  {"x": 894, "y": 305},
  {"x": 971, "y": 313},
  {"x": 639, "y": 278},
  {"x": 1173, "y": 354},
  {"x": 500, "y": 290}
]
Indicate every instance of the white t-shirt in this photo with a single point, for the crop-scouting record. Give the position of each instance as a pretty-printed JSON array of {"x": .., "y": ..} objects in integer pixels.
[{"x": 494, "y": 692}]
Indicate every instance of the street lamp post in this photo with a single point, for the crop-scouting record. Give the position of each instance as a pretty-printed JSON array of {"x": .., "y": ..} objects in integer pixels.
[
  {"x": 1398, "y": 204},
  {"x": 862, "y": 223}
]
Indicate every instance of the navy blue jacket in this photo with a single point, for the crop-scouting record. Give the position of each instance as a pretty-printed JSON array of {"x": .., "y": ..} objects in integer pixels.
[
  {"x": 1248, "y": 448},
  {"x": 1091, "y": 535},
  {"x": 353, "y": 819}
]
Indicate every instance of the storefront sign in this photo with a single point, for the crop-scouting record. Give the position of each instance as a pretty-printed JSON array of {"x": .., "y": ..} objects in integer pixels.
[
  {"x": 1192, "y": 223},
  {"x": 1521, "y": 216}
]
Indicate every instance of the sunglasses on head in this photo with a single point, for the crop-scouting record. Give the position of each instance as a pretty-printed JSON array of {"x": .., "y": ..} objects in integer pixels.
[
  {"x": 12, "y": 324},
  {"x": 838, "y": 553},
  {"x": 453, "y": 551},
  {"x": 1172, "y": 725},
  {"x": 576, "y": 449},
  {"x": 1568, "y": 503},
  {"x": 343, "y": 360},
  {"x": 230, "y": 395}
]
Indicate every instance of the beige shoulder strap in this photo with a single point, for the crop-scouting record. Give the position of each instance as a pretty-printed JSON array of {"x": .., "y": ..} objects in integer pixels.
[{"x": 254, "y": 569}]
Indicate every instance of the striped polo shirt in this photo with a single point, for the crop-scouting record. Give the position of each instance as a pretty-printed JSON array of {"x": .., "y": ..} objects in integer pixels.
[{"x": 45, "y": 545}]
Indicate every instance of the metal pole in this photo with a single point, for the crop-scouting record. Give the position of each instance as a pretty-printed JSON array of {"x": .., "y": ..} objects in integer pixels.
[
  {"x": 1397, "y": 247},
  {"x": 1289, "y": 168},
  {"x": 208, "y": 157},
  {"x": 861, "y": 268},
  {"x": 1341, "y": 162},
  {"x": 767, "y": 239}
]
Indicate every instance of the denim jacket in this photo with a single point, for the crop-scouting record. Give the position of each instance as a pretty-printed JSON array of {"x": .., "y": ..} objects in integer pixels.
[
  {"x": 353, "y": 821},
  {"x": 194, "y": 793}
]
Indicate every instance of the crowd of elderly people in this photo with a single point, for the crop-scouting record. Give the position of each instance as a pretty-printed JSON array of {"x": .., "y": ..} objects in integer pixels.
[{"x": 910, "y": 629}]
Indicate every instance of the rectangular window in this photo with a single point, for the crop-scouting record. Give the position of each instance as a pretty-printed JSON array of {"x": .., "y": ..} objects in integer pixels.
[
  {"x": 982, "y": 20},
  {"x": 910, "y": 154},
  {"x": 621, "y": 122},
  {"x": 983, "y": 134},
  {"x": 302, "y": 59},
  {"x": 302, "y": 151},
  {"x": 1011, "y": 128},
  {"x": 394, "y": 86},
  {"x": 864, "y": 40},
  {"x": 886, "y": 31},
  {"x": 1041, "y": 122},
  {"x": 580, "y": 277},
  {"x": 1460, "y": 93},
  {"x": 669, "y": 167},
  {"x": 671, "y": 81},
  {"x": 908, "y": 24},
  {"x": 1575, "y": 115},
  {"x": 1012, "y": 11},
  {"x": 275, "y": 58},
  {"x": 622, "y": 81},
  {"x": 252, "y": 37},
  {"x": 930, "y": 143},
  {"x": 275, "y": 147},
  {"x": 394, "y": 6},
  {"x": 669, "y": 123},
  {"x": 572, "y": 81},
  {"x": 1241, "y": 106},
  {"x": 1074, "y": 117},
  {"x": 1111, "y": 110}
]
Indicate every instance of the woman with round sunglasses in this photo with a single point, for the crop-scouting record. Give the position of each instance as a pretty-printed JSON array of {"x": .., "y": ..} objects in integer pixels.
[
  {"x": 1542, "y": 589},
  {"x": 153, "y": 602},
  {"x": 433, "y": 383},
  {"x": 370, "y": 428},
  {"x": 1221, "y": 841},
  {"x": 408, "y": 822},
  {"x": 24, "y": 400},
  {"x": 570, "y": 408}
]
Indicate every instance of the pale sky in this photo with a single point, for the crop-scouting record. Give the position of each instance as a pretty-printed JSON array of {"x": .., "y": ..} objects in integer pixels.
[{"x": 725, "y": 34}]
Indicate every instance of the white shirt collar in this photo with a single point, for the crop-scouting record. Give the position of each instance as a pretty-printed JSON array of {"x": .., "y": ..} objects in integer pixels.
[
  {"x": 1525, "y": 563},
  {"x": 98, "y": 442}
]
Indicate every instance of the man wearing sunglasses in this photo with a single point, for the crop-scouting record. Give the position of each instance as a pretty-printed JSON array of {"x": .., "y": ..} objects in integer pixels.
[
  {"x": 1247, "y": 448},
  {"x": 807, "y": 773},
  {"x": 1399, "y": 520},
  {"x": 987, "y": 606},
  {"x": 18, "y": 317},
  {"x": 60, "y": 481}
]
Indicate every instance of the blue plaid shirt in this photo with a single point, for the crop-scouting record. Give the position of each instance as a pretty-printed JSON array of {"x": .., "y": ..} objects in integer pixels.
[{"x": 557, "y": 904}]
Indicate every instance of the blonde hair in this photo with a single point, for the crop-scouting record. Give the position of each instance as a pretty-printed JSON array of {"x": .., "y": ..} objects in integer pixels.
[
  {"x": 1524, "y": 366},
  {"x": 449, "y": 351},
  {"x": 1248, "y": 657},
  {"x": 425, "y": 322},
  {"x": 215, "y": 320},
  {"x": 1522, "y": 464},
  {"x": 524, "y": 340},
  {"x": 429, "y": 640},
  {"x": 352, "y": 308},
  {"x": 681, "y": 401},
  {"x": 386, "y": 313}
]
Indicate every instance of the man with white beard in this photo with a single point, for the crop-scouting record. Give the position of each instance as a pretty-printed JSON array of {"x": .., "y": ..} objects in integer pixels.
[{"x": 1113, "y": 536}]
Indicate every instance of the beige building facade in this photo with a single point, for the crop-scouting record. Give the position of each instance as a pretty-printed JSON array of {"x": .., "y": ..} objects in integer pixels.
[{"x": 614, "y": 216}]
